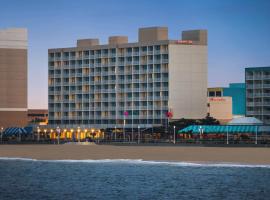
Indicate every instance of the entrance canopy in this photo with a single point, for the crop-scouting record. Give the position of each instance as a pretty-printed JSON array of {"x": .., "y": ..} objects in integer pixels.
[
  {"x": 209, "y": 129},
  {"x": 15, "y": 131}
]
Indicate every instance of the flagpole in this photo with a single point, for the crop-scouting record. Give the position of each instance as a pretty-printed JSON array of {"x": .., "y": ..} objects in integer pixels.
[{"x": 124, "y": 133}]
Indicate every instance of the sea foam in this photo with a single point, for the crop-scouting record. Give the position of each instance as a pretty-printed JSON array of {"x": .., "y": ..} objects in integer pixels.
[{"x": 145, "y": 162}]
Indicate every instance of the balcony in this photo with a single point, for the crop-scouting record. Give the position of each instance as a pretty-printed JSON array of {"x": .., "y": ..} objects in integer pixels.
[
  {"x": 266, "y": 76},
  {"x": 136, "y": 62},
  {"x": 112, "y": 54},
  {"x": 157, "y": 51},
  {"x": 258, "y": 86},
  {"x": 165, "y": 60},
  {"x": 266, "y": 112},
  {"x": 57, "y": 58},
  {"x": 136, "y": 53},
  {"x": 251, "y": 104}
]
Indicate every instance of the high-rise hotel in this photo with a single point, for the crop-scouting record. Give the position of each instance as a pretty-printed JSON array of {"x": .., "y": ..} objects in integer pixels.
[
  {"x": 258, "y": 93},
  {"x": 13, "y": 77},
  {"x": 129, "y": 84}
]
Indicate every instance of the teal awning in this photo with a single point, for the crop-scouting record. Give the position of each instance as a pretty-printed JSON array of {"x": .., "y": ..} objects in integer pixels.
[{"x": 196, "y": 129}]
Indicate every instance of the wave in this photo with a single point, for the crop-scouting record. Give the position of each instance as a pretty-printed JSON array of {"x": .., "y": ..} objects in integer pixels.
[{"x": 146, "y": 162}]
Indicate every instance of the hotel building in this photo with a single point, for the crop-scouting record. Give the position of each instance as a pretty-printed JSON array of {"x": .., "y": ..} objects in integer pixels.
[
  {"x": 225, "y": 103},
  {"x": 122, "y": 84},
  {"x": 13, "y": 77},
  {"x": 258, "y": 93}
]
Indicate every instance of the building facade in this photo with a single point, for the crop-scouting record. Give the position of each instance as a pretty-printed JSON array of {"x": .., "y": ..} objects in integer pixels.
[
  {"x": 220, "y": 108},
  {"x": 123, "y": 84},
  {"x": 258, "y": 93},
  {"x": 237, "y": 91},
  {"x": 13, "y": 77},
  {"x": 37, "y": 116}
]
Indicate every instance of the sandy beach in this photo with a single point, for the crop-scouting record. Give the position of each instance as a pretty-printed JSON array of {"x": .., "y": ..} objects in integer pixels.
[{"x": 243, "y": 155}]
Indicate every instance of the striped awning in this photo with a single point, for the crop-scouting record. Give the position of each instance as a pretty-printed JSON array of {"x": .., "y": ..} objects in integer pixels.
[
  {"x": 213, "y": 129},
  {"x": 15, "y": 131}
]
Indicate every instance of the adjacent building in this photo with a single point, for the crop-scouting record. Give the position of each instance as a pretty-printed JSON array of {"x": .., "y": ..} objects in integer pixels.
[
  {"x": 122, "y": 84},
  {"x": 220, "y": 108},
  {"x": 225, "y": 103},
  {"x": 13, "y": 77},
  {"x": 37, "y": 116},
  {"x": 258, "y": 93}
]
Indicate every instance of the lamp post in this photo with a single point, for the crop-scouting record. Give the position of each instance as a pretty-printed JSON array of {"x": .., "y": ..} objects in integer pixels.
[
  {"x": 51, "y": 135},
  {"x": 132, "y": 135},
  {"x": 124, "y": 131},
  {"x": 79, "y": 134},
  {"x": 174, "y": 134},
  {"x": 45, "y": 131},
  {"x": 114, "y": 133},
  {"x": 2, "y": 129},
  {"x": 38, "y": 136},
  {"x": 92, "y": 131},
  {"x": 58, "y": 130},
  {"x": 85, "y": 132},
  {"x": 72, "y": 136},
  {"x": 256, "y": 136},
  {"x": 227, "y": 140},
  {"x": 138, "y": 134},
  {"x": 65, "y": 133}
]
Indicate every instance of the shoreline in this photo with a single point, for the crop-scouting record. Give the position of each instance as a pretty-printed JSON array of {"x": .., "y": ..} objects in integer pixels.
[{"x": 185, "y": 154}]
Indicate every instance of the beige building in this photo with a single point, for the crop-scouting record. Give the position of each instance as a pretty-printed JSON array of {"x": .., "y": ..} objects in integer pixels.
[
  {"x": 13, "y": 77},
  {"x": 129, "y": 84},
  {"x": 220, "y": 108}
]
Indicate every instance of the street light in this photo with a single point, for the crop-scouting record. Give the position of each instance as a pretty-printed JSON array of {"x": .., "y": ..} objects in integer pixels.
[
  {"x": 174, "y": 134},
  {"x": 45, "y": 131},
  {"x": 85, "y": 132},
  {"x": 79, "y": 134},
  {"x": 2, "y": 129},
  {"x": 124, "y": 131},
  {"x": 38, "y": 137},
  {"x": 115, "y": 133},
  {"x": 65, "y": 132},
  {"x": 52, "y": 135},
  {"x": 138, "y": 134},
  {"x": 92, "y": 133},
  {"x": 58, "y": 130},
  {"x": 72, "y": 134}
]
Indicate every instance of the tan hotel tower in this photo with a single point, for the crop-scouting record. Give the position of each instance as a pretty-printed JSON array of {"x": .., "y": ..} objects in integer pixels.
[
  {"x": 129, "y": 84},
  {"x": 13, "y": 77}
]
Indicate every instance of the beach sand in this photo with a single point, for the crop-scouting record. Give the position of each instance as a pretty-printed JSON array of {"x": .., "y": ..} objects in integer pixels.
[{"x": 244, "y": 155}]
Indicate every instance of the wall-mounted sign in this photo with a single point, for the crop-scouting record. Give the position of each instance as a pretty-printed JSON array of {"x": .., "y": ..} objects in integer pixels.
[
  {"x": 184, "y": 42},
  {"x": 217, "y": 99}
]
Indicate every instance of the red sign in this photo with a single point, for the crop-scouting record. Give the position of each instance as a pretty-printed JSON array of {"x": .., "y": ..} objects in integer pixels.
[
  {"x": 217, "y": 99},
  {"x": 184, "y": 42}
]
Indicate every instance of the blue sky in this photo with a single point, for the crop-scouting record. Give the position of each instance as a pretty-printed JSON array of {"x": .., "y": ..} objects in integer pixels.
[{"x": 238, "y": 31}]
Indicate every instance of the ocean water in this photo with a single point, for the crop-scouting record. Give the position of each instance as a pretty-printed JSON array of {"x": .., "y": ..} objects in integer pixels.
[{"x": 130, "y": 179}]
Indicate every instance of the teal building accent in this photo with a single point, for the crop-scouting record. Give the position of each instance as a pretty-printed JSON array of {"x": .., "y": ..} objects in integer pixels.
[{"x": 238, "y": 93}]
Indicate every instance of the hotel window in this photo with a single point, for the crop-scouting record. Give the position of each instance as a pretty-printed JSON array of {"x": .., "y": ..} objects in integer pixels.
[
  {"x": 113, "y": 51},
  {"x": 51, "y": 64},
  {"x": 218, "y": 93},
  {"x": 165, "y": 56},
  {"x": 144, "y": 49},
  {"x": 129, "y": 50},
  {"x": 211, "y": 93},
  {"x": 51, "y": 55},
  {"x": 72, "y": 54}
]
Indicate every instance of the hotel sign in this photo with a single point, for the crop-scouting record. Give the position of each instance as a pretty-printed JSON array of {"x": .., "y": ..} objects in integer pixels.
[
  {"x": 184, "y": 42},
  {"x": 217, "y": 99}
]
